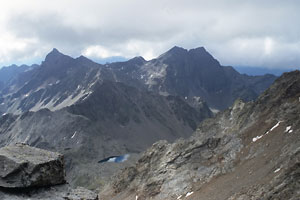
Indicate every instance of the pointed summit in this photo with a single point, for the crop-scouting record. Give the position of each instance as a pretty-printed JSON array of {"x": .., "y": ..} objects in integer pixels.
[
  {"x": 177, "y": 50},
  {"x": 174, "y": 51},
  {"x": 54, "y": 50},
  {"x": 137, "y": 60},
  {"x": 83, "y": 59},
  {"x": 53, "y": 55}
]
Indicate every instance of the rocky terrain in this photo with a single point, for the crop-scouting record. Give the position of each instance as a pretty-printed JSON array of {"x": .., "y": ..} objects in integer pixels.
[
  {"x": 249, "y": 151},
  {"x": 32, "y": 173}
]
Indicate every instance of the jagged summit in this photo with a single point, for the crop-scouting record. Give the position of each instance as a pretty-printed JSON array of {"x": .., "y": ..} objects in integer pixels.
[
  {"x": 199, "y": 56},
  {"x": 138, "y": 58},
  {"x": 54, "y": 56},
  {"x": 54, "y": 52},
  {"x": 86, "y": 61},
  {"x": 82, "y": 58},
  {"x": 177, "y": 49}
]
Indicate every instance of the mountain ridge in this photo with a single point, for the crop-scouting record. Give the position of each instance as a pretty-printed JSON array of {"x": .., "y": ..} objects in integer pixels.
[
  {"x": 193, "y": 73},
  {"x": 178, "y": 72}
]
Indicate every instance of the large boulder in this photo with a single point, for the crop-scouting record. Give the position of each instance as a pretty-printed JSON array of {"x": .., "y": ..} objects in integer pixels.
[{"x": 22, "y": 166}]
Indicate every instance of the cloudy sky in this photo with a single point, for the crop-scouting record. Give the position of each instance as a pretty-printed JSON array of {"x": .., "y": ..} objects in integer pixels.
[{"x": 236, "y": 32}]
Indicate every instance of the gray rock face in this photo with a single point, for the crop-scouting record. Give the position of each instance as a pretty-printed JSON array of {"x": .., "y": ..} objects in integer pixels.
[{"x": 23, "y": 166}]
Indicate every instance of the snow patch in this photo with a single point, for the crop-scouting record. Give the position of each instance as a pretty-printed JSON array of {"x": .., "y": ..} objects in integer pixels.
[
  {"x": 87, "y": 95},
  {"x": 26, "y": 139},
  {"x": 136, "y": 197},
  {"x": 153, "y": 72},
  {"x": 179, "y": 197},
  {"x": 275, "y": 126},
  {"x": 277, "y": 170},
  {"x": 68, "y": 101},
  {"x": 287, "y": 129},
  {"x": 189, "y": 193},
  {"x": 213, "y": 110},
  {"x": 4, "y": 114},
  {"x": 74, "y": 135},
  {"x": 260, "y": 136},
  {"x": 290, "y": 131},
  {"x": 256, "y": 138},
  {"x": 185, "y": 98}
]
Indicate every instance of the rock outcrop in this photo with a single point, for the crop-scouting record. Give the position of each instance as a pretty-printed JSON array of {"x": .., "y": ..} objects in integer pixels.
[
  {"x": 23, "y": 166},
  {"x": 28, "y": 172}
]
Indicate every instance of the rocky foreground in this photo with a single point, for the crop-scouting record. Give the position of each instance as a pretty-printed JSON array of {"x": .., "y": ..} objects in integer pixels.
[
  {"x": 35, "y": 174},
  {"x": 250, "y": 151}
]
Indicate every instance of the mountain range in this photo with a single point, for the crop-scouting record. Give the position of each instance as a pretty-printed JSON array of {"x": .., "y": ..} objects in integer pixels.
[{"x": 90, "y": 111}]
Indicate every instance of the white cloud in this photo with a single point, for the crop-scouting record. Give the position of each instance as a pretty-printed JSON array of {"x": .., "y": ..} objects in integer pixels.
[
  {"x": 99, "y": 51},
  {"x": 257, "y": 33}
]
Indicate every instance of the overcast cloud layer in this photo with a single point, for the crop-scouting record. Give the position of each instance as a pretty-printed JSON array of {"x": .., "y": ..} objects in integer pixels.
[{"x": 236, "y": 32}]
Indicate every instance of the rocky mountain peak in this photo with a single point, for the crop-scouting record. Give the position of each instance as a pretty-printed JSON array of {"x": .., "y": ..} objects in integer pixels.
[
  {"x": 137, "y": 60},
  {"x": 82, "y": 58},
  {"x": 55, "y": 56},
  {"x": 176, "y": 51},
  {"x": 201, "y": 54},
  {"x": 53, "y": 53},
  {"x": 85, "y": 61}
]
